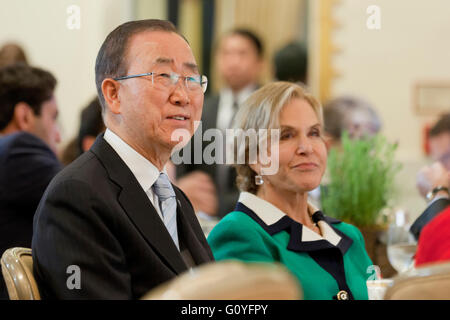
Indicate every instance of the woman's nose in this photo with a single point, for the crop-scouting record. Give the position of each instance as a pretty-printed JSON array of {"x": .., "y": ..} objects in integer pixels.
[{"x": 304, "y": 146}]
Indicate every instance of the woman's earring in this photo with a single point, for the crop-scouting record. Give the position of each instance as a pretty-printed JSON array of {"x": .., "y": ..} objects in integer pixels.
[{"x": 259, "y": 180}]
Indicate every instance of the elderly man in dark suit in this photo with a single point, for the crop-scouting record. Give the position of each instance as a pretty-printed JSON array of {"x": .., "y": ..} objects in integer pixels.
[
  {"x": 29, "y": 136},
  {"x": 111, "y": 225}
]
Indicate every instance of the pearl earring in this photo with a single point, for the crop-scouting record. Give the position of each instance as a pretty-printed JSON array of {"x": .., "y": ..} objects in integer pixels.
[{"x": 259, "y": 180}]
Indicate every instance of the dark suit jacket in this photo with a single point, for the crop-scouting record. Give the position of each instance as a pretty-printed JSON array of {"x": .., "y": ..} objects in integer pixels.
[
  {"x": 428, "y": 215},
  {"x": 96, "y": 216},
  {"x": 227, "y": 190},
  {"x": 26, "y": 167}
]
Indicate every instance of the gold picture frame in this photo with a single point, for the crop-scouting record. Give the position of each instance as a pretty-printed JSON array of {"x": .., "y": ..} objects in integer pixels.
[{"x": 431, "y": 98}]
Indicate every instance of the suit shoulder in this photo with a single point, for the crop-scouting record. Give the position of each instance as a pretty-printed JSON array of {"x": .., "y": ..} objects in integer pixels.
[
  {"x": 237, "y": 222},
  {"x": 24, "y": 143},
  {"x": 26, "y": 139},
  {"x": 86, "y": 168},
  {"x": 24, "y": 157},
  {"x": 237, "y": 236},
  {"x": 349, "y": 230}
]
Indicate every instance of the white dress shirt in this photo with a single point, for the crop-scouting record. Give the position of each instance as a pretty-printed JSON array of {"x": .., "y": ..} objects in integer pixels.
[
  {"x": 225, "y": 110},
  {"x": 145, "y": 172}
]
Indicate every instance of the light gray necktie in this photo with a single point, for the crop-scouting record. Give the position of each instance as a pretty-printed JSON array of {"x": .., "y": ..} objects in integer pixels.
[{"x": 168, "y": 205}]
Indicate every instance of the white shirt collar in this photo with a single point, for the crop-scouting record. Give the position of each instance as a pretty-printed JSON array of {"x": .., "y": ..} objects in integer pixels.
[
  {"x": 225, "y": 110},
  {"x": 145, "y": 172},
  {"x": 226, "y": 94},
  {"x": 262, "y": 208},
  {"x": 270, "y": 214}
]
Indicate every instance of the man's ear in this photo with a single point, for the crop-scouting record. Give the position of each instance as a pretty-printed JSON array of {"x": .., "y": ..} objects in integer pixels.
[
  {"x": 23, "y": 117},
  {"x": 110, "y": 90}
]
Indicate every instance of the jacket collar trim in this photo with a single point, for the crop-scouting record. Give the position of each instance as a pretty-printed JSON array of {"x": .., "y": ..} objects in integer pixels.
[{"x": 302, "y": 239}]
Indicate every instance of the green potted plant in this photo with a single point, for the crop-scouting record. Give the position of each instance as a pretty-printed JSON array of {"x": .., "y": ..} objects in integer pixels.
[{"x": 360, "y": 185}]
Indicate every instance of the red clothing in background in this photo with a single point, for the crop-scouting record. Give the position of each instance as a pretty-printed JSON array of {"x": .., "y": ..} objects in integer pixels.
[{"x": 434, "y": 241}]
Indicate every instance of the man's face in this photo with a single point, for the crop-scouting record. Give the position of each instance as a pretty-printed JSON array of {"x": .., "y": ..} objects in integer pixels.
[
  {"x": 440, "y": 148},
  {"x": 45, "y": 125},
  {"x": 238, "y": 61},
  {"x": 147, "y": 110}
]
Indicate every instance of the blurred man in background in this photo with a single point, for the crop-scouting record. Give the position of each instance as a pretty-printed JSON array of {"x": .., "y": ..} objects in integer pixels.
[
  {"x": 29, "y": 136},
  {"x": 432, "y": 227},
  {"x": 291, "y": 63},
  {"x": 239, "y": 59},
  {"x": 433, "y": 180}
]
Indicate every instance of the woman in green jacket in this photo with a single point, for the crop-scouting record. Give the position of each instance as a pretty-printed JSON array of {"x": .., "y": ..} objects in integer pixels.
[{"x": 273, "y": 220}]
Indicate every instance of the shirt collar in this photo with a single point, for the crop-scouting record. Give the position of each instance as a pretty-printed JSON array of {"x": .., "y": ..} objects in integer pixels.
[
  {"x": 227, "y": 94},
  {"x": 271, "y": 215},
  {"x": 145, "y": 172}
]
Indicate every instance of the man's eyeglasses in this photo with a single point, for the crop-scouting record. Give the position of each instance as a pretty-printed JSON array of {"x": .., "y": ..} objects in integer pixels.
[{"x": 167, "y": 80}]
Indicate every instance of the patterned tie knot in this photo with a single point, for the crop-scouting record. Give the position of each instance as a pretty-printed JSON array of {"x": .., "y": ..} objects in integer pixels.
[{"x": 163, "y": 188}]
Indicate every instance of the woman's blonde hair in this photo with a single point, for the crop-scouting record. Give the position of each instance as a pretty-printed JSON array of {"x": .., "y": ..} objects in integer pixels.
[{"x": 262, "y": 111}]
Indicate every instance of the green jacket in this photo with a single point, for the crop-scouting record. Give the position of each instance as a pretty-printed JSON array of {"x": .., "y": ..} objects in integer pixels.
[{"x": 323, "y": 269}]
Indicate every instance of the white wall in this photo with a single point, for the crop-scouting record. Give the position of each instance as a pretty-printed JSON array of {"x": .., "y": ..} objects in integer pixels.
[
  {"x": 41, "y": 28},
  {"x": 383, "y": 65}
]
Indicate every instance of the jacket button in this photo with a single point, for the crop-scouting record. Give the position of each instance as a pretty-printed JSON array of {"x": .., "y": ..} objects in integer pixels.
[{"x": 342, "y": 295}]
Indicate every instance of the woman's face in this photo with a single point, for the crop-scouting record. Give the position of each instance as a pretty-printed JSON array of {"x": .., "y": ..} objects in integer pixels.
[{"x": 302, "y": 150}]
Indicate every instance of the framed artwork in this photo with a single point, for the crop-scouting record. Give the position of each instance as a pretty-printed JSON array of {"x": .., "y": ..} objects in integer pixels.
[{"x": 432, "y": 98}]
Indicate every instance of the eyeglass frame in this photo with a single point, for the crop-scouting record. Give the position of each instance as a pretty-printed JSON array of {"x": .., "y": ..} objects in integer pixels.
[{"x": 203, "y": 78}]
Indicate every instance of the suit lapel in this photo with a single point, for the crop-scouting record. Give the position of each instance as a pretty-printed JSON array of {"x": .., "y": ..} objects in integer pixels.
[{"x": 138, "y": 207}]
